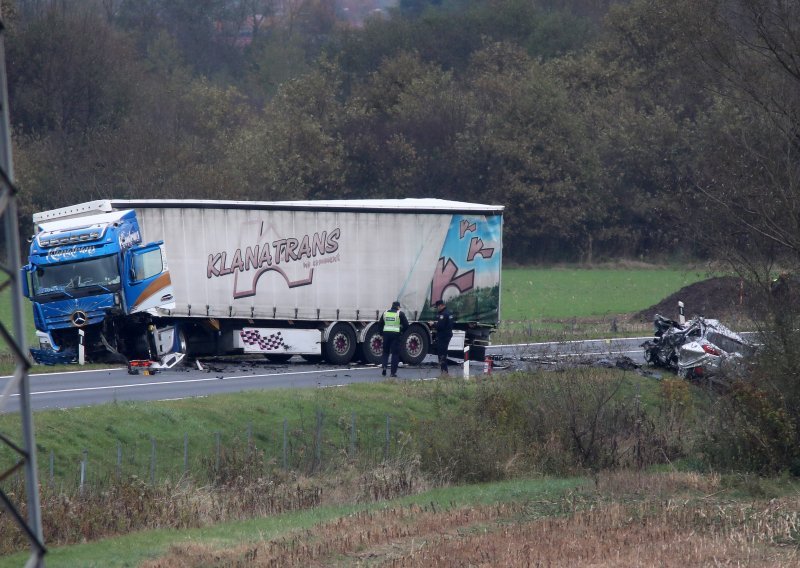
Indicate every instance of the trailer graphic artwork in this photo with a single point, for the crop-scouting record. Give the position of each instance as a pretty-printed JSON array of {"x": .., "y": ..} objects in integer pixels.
[
  {"x": 269, "y": 343},
  {"x": 466, "y": 274},
  {"x": 267, "y": 256}
]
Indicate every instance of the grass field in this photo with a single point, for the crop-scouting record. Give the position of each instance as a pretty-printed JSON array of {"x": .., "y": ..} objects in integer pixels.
[
  {"x": 623, "y": 519},
  {"x": 568, "y": 303},
  {"x": 7, "y": 320},
  {"x": 133, "y": 549},
  {"x": 535, "y": 294}
]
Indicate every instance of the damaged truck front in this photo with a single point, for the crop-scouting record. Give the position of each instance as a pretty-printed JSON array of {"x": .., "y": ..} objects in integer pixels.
[
  {"x": 307, "y": 278},
  {"x": 95, "y": 288}
]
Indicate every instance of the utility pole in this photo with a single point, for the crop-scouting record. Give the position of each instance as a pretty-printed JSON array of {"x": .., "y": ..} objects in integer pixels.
[{"x": 10, "y": 266}]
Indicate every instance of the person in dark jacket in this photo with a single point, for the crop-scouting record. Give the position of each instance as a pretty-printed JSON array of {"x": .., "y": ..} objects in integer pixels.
[
  {"x": 394, "y": 322},
  {"x": 444, "y": 333}
]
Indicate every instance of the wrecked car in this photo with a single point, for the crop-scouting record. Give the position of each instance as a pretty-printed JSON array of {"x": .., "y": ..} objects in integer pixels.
[{"x": 697, "y": 348}]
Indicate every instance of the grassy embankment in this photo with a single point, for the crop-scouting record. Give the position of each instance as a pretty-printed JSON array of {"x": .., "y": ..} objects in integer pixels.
[{"x": 623, "y": 517}]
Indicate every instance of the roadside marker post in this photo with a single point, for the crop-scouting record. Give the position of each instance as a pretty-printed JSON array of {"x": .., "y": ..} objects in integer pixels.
[
  {"x": 81, "y": 348},
  {"x": 466, "y": 362}
]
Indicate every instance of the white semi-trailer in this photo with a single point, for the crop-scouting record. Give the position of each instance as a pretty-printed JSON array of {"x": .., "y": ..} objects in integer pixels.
[{"x": 306, "y": 278}]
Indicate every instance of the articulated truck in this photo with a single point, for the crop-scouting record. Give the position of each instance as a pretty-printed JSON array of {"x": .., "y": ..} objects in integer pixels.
[{"x": 158, "y": 280}]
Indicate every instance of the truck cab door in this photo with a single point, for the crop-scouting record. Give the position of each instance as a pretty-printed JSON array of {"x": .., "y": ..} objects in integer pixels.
[{"x": 147, "y": 282}]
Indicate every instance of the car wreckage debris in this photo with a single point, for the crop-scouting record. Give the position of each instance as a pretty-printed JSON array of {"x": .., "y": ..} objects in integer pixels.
[{"x": 697, "y": 348}]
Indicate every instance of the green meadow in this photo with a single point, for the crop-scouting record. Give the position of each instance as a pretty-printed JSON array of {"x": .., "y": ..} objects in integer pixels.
[{"x": 532, "y": 294}]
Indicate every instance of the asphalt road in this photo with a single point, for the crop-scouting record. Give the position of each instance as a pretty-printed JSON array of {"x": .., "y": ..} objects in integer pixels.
[{"x": 226, "y": 375}]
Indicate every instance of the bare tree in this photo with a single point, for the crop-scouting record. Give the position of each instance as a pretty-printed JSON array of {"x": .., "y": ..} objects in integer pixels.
[
  {"x": 752, "y": 48},
  {"x": 748, "y": 178}
]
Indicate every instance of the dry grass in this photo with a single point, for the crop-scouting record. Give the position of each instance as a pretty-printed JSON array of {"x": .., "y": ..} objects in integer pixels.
[
  {"x": 580, "y": 530},
  {"x": 631, "y": 483},
  {"x": 71, "y": 517}
]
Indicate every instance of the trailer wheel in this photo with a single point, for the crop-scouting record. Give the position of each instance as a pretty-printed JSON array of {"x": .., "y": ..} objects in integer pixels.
[
  {"x": 414, "y": 345},
  {"x": 341, "y": 344},
  {"x": 371, "y": 350}
]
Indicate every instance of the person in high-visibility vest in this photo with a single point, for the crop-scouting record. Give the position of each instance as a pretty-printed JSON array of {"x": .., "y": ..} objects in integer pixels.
[{"x": 394, "y": 323}]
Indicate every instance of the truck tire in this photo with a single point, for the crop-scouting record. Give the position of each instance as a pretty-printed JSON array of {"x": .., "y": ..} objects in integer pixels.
[
  {"x": 182, "y": 344},
  {"x": 341, "y": 345},
  {"x": 371, "y": 351},
  {"x": 414, "y": 345}
]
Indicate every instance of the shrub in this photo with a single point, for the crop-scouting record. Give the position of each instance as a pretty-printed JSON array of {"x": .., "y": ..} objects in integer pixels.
[
  {"x": 750, "y": 430},
  {"x": 549, "y": 423}
]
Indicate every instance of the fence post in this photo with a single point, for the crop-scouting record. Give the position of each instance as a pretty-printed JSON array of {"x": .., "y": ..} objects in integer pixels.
[
  {"x": 185, "y": 453},
  {"x": 119, "y": 459},
  {"x": 152, "y": 460},
  {"x": 318, "y": 442},
  {"x": 83, "y": 468},
  {"x": 353, "y": 435},
  {"x": 637, "y": 399},
  {"x": 386, "y": 444},
  {"x": 218, "y": 451},
  {"x": 285, "y": 463}
]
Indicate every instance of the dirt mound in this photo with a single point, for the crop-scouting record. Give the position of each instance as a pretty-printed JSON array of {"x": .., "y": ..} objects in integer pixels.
[{"x": 721, "y": 298}]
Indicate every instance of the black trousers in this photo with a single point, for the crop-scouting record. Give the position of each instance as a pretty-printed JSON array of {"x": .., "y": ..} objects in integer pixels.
[
  {"x": 391, "y": 345},
  {"x": 441, "y": 350}
]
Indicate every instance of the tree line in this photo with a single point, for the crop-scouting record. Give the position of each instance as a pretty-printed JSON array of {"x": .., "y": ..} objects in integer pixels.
[{"x": 606, "y": 129}]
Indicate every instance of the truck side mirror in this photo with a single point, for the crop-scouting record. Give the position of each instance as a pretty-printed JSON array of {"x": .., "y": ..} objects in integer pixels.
[{"x": 23, "y": 278}]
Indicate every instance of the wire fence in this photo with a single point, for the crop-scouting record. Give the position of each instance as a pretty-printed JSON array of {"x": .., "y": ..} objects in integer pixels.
[{"x": 303, "y": 445}]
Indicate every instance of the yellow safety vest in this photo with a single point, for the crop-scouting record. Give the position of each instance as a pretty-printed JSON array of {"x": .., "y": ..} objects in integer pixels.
[{"x": 391, "y": 321}]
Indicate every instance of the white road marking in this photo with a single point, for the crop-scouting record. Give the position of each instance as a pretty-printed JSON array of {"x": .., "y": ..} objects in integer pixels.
[
  {"x": 584, "y": 354},
  {"x": 571, "y": 341},
  {"x": 68, "y": 372},
  {"x": 160, "y": 383}
]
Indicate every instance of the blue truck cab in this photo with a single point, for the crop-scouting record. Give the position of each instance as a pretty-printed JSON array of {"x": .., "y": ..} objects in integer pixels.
[{"x": 96, "y": 288}]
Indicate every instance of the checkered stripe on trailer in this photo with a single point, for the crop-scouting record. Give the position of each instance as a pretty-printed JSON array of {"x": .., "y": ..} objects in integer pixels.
[{"x": 253, "y": 337}]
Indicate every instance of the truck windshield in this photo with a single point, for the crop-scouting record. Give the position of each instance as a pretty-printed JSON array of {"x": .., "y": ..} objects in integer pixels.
[{"x": 80, "y": 277}]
